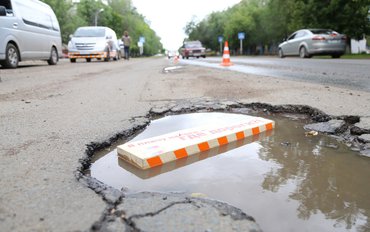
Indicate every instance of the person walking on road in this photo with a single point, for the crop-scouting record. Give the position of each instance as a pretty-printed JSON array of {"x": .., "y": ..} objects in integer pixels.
[{"x": 126, "y": 39}]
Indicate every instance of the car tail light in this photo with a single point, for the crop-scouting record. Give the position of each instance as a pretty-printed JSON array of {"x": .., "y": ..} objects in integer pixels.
[{"x": 318, "y": 37}]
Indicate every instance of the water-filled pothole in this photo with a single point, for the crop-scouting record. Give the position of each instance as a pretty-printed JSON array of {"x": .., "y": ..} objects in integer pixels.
[{"x": 284, "y": 179}]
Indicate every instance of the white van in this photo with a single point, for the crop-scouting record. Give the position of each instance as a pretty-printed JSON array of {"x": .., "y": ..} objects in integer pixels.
[
  {"x": 29, "y": 30},
  {"x": 93, "y": 42}
]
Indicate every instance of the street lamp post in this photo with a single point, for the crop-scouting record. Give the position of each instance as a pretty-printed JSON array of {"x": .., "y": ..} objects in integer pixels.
[{"x": 96, "y": 16}]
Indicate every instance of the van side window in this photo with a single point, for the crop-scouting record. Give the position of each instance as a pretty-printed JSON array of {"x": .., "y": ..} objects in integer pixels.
[
  {"x": 41, "y": 19},
  {"x": 8, "y": 6},
  {"x": 54, "y": 22}
]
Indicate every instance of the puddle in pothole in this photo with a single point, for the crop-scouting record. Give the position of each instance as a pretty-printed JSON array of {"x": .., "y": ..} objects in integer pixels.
[{"x": 285, "y": 180}]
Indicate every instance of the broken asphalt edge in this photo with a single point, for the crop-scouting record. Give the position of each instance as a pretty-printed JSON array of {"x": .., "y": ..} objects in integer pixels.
[{"x": 348, "y": 133}]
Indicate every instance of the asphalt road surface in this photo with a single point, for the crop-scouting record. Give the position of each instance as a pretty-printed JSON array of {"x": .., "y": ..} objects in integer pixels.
[
  {"x": 49, "y": 113},
  {"x": 347, "y": 73}
]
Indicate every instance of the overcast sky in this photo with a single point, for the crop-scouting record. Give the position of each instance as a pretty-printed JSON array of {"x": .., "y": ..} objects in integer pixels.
[{"x": 169, "y": 17}]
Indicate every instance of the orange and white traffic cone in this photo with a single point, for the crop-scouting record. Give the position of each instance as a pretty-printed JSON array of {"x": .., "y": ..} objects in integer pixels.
[
  {"x": 226, "y": 56},
  {"x": 176, "y": 59}
]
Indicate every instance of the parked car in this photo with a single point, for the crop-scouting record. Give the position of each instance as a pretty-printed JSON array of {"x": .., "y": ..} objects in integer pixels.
[
  {"x": 93, "y": 42},
  {"x": 193, "y": 49},
  {"x": 29, "y": 30},
  {"x": 310, "y": 42}
]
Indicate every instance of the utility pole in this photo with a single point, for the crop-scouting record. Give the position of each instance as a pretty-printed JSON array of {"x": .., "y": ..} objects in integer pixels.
[{"x": 96, "y": 16}]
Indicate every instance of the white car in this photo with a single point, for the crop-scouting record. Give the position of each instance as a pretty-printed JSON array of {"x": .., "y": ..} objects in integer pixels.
[{"x": 93, "y": 42}]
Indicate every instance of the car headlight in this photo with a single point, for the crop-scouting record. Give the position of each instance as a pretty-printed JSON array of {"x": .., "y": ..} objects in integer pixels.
[{"x": 71, "y": 45}]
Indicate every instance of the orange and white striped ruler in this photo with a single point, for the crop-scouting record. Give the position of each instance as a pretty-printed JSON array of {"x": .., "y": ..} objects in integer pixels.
[{"x": 155, "y": 151}]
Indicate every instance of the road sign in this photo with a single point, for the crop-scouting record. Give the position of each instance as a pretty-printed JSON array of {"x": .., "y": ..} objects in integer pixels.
[
  {"x": 142, "y": 39},
  {"x": 241, "y": 35},
  {"x": 220, "y": 39}
]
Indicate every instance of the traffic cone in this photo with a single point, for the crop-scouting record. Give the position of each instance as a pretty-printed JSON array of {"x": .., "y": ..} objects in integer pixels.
[
  {"x": 226, "y": 56},
  {"x": 176, "y": 59}
]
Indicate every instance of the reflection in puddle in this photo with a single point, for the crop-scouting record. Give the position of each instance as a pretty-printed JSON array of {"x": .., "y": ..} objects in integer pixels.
[{"x": 285, "y": 180}]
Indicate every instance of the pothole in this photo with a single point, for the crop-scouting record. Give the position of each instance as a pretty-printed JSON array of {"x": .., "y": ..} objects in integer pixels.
[{"x": 316, "y": 181}]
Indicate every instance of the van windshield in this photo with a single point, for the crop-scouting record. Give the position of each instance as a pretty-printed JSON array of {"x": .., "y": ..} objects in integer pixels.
[{"x": 90, "y": 32}]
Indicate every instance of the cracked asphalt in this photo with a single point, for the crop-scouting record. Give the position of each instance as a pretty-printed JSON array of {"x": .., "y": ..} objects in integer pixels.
[{"x": 53, "y": 117}]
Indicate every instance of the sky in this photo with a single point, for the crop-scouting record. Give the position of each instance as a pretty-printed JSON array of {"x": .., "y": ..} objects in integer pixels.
[{"x": 168, "y": 18}]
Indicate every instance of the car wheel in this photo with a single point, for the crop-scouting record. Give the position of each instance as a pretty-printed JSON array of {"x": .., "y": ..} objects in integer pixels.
[
  {"x": 187, "y": 57},
  {"x": 303, "y": 52},
  {"x": 73, "y": 60},
  {"x": 11, "y": 57},
  {"x": 281, "y": 53},
  {"x": 88, "y": 59},
  {"x": 53, "y": 60},
  {"x": 335, "y": 56},
  {"x": 204, "y": 56}
]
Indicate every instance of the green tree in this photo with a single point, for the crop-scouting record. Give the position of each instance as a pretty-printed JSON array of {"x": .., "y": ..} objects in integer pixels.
[
  {"x": 267, "y": 22},
  {"x": 345, "y": 16},
  {"x": 118, "y": 15},
  {"x": 87, "y": 9},
  {"x": 68, "y": 20}
]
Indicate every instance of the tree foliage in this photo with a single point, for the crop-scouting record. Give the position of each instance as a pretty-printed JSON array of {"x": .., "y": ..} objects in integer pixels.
[
  {"x": 119, "y": 15},
  {"x": 267, "y": 22}
]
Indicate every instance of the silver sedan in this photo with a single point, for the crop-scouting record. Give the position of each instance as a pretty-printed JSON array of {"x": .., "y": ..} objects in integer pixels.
[{"x": 309, "y": 42}]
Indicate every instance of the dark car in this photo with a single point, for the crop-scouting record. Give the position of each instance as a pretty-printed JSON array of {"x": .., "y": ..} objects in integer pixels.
[
  {"x": 193, "y": 49},
  {"x": 310, "y": 42}
]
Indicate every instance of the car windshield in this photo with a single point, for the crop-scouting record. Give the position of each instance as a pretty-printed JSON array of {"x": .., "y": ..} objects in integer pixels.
[
  {"x": 193, "y": 45},
  {"x": 90, "y": 32},
  {"x": 322, "y": 31}
]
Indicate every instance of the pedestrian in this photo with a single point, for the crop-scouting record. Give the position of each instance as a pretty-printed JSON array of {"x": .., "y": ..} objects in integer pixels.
[{"x": 126, "y": 44}]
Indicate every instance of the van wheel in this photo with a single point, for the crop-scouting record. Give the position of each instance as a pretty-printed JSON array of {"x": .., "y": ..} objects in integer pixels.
[
  {"x": 73, "y": 60},
  {"x": 88, "y": 59},
  {"x": 11, "y": 57},
  {"x": 53, "y": 60}
]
